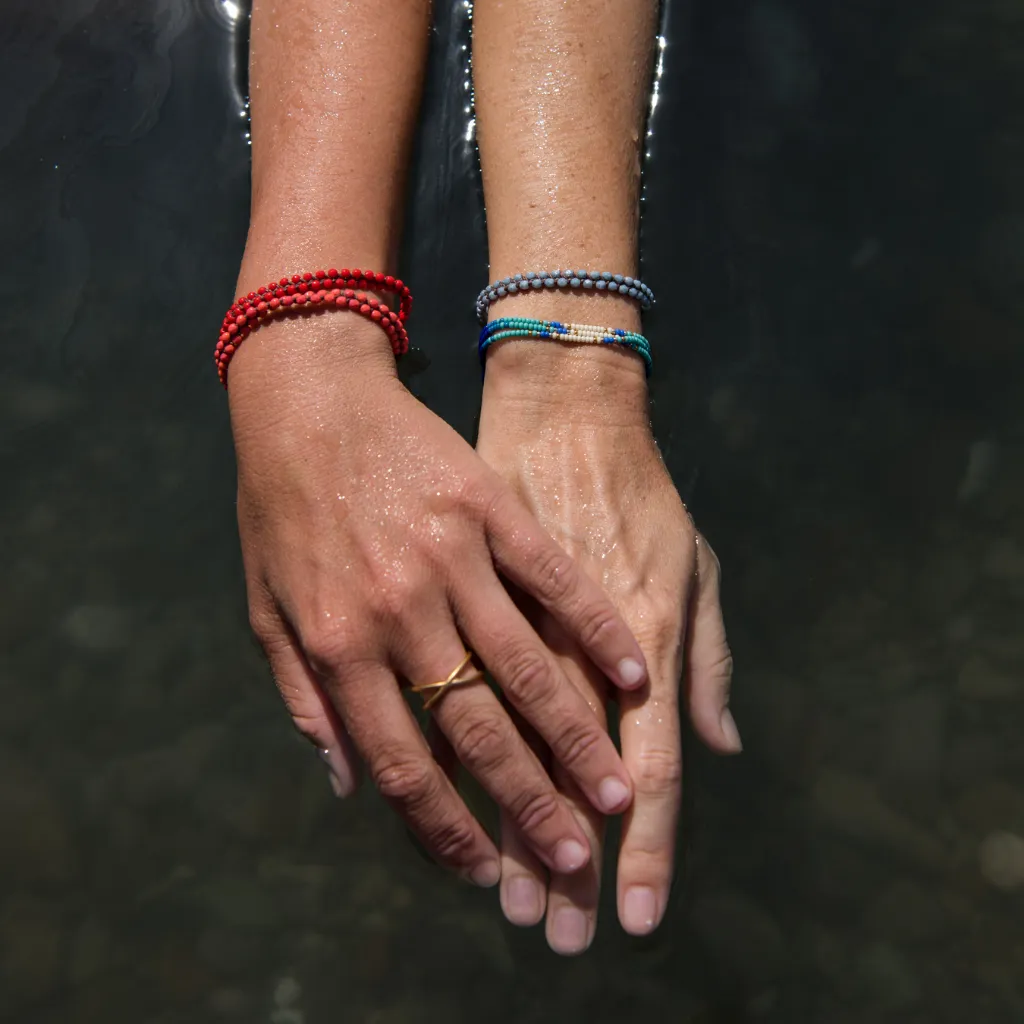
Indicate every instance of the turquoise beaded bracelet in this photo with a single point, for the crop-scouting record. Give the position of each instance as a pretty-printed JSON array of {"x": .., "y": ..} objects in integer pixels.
[{"x": 554, "y": 330}]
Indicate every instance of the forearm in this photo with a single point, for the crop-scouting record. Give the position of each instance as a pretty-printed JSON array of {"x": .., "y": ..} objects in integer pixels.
[
  {"x": 334, "y": 95},
  {"x": 561, "y": 92}
]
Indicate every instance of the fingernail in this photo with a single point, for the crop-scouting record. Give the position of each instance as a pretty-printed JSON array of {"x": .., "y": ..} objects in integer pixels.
[
  {"x": 569, "y": 931},
  {"x": 486, "y": 874},
  {"x": 613, "y": 795},
  {"x": 523, "y": 901},
  {"x": 569, "y": 856},
  {"x": 338, "y": 773},
  {"x": 732, "y": 734},
  {"x": 639, "y": 910},
  {"x": 631, "y": 672}
]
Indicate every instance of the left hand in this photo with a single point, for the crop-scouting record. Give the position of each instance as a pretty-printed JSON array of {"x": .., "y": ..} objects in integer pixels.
[{"x": 568, "y": 428}]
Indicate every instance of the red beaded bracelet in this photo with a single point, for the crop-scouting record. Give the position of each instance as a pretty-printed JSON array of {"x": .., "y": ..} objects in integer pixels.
[{"x": 324, "y": 289}]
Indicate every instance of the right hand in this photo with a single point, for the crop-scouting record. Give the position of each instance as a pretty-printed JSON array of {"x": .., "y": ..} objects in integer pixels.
[{"x": 373, "y": 537}]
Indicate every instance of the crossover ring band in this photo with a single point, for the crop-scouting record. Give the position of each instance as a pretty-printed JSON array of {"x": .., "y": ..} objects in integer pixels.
[{"x": 463, "y": 673}]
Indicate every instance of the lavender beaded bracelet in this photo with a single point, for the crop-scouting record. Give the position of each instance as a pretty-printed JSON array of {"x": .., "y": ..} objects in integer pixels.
[{"x": 588, "y": 280}]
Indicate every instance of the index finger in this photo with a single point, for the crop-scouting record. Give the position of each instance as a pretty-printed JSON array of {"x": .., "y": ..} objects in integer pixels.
[{"x": 532, "y": 560}]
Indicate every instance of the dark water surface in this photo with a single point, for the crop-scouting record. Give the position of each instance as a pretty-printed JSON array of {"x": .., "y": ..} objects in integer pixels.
[{"x": 835, "y": 221}]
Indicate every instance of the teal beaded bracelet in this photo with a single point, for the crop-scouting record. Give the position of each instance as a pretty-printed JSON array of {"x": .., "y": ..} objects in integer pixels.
[{"x": 554, "y": 330}]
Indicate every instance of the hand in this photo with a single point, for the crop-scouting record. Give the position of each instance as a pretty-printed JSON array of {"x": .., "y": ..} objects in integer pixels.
[
  {"x": 372, "y": 536},
  {"x": 568, "y": 428}
]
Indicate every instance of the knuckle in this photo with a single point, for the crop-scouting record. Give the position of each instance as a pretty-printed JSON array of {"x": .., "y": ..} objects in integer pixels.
[
  {"x": 496, "y": 505},
  {"x": 310, "y": 725},
  {"x": 328, "y": 647},
  {"x": 532, "y": 811},
  {"x": 477, "y": 496},
  {"x": 451, "y": 839},
  {"x": 403, "y": 780},
  {"x": 720, "y": 669},
  {"x": 525, "y": 674},
  {"x": 482, "y": 742},
  {"x": 554, "y": 573},
  {"x": 576, "y": 742},
  {"x": 392, "y": 600},
  {"x": 659, "y": 628},
  {"x": 264, "y": 627},
  {"x": 597, "y": 622},
  {"x": 658, "y": 771}
]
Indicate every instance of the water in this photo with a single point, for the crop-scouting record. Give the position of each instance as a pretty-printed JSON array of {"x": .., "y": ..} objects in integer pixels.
[{"x": 835, "y": 202}]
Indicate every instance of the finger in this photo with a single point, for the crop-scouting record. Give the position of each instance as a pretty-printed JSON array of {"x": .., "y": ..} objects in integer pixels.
[
  {"x": 708, "y": 661},
  {"x": 442, "y": 752},
  {"x": 535, "y": 685},
  {"x": 524, "y": 879},
  {"x": 573, "y": 899},
  {"x": 531, "y": 559},
  {"x": 399, "y": 761},
  {"x": 492, "y": 750},
  {"x": 650, "y": 735},
  {"x": 310, "y": 708}
]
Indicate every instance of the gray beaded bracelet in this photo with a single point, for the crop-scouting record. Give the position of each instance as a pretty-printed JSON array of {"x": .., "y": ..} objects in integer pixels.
[{"x": 588, "y": 280}]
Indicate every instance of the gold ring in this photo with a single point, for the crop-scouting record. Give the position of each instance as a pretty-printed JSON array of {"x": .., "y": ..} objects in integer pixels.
[{"x": 455, "y": 678}]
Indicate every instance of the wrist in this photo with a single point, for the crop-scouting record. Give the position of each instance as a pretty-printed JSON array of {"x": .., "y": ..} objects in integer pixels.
[
  {"x": 308, "y": 354},
  {"x": 592, "y": 382},
  {"x": 585, "y": 384}
]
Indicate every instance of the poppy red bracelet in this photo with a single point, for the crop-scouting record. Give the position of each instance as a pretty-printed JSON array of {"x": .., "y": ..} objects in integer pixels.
[{"x": 326, "y": 289}]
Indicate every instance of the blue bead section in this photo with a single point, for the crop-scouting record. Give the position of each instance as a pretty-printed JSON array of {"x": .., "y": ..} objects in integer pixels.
[{"x": 508, "y": 328}]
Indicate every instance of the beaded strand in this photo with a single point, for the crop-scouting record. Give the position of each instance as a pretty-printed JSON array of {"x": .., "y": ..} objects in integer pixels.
[
  {"x": 554, "y": 330},
  {"x": 588, "y": 280},
  {"x": 325, "y": 289}
]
